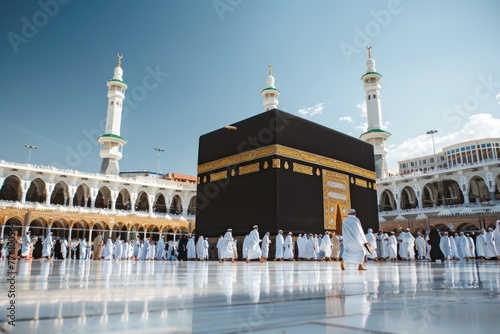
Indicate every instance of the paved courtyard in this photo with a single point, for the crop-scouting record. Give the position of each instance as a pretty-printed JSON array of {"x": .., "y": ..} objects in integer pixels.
[{"x": 274, "y": 297}]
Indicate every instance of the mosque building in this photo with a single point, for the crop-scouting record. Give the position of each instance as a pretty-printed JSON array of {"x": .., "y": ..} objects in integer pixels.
[
  {"x": 456, "y": 188},
  {"x": 74, "y": 204}
]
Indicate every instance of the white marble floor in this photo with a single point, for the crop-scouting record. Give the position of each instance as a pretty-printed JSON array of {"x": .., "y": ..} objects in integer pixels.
[{"x": 274, "y": 297}]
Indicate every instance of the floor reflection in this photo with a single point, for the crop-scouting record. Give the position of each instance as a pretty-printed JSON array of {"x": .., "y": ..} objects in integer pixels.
[{"x": 207, "y": 297}]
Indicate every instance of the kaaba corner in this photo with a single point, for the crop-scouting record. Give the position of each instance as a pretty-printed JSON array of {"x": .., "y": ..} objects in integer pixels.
[{"x": 280, "y": 171}]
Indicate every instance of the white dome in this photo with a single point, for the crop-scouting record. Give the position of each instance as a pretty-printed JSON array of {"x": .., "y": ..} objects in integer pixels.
[
  {"x": 270, "y": 82},
  {"x": 118, "y": 73},
  {"x": 370, "y": 65}
]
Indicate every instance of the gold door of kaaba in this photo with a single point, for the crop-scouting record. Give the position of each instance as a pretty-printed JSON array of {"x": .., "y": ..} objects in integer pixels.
[{"x": 336, "y": 199}]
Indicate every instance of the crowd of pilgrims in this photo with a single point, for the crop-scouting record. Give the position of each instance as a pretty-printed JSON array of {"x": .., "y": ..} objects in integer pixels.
[{"x": 404, "y": 246}]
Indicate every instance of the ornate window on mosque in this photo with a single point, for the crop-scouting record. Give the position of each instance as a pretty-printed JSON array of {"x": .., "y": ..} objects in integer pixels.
[
  {"x": 111, "y": 102},
  {"x": 369, "y": 96}
]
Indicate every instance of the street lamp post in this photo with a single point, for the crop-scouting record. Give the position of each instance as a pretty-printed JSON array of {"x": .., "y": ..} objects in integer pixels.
[
  {"x": 432, "y": 132},
  {"x": 159, "y": 150},
  {"x": 30, "y": 147}
]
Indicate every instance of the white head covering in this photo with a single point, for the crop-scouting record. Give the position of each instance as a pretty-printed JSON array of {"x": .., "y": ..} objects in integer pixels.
[{"x": 352, "y": 212}]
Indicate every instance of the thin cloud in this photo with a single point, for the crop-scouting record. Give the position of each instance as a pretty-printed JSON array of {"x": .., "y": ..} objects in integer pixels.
[
  {"x": 317, "y": 109},
  {"x": 478, "y": 126},
  {"x": 346, "y": 119},
  {"x": 362, "y": 106}
]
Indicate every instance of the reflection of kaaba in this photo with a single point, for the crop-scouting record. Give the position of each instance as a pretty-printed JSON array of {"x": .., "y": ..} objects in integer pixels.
[{"x": 282, "y": 172}]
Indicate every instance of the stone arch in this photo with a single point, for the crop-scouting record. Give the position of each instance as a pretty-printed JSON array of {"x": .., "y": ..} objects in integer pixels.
[
  {"x": 15, "y": 223},
  {"x": 11, "y": 189},
  {"x": 387, "y": 202},
  {"x": 155, "y": 233},
  {"x": 123, "y": 201},
  {"x": 408, "y": 198},
  {"x": 478, "y": 190},
  {"x": 170, "y": 234},
  {"x": 103, "y": 198},
  {"x": 430, "y": 195},
  {"x": 82, "y": 196},
  {"x": 59, "y": 228},
  {"x": 192, "y": 206},
  {"x": 176, "y": 205},
  {"x": 452, "y": 193},
  {"x": 60, "y": 194},
  {"x": 442, "y": 228},
  {"x": 38, "y": 226},
  {"x": 142, "y": 202},
  {"x": 160, "y": 204},
  {"x": 37, "y": 191},
  {"x": 467, "y": 227},
  {"x": 79, "y": 229}
]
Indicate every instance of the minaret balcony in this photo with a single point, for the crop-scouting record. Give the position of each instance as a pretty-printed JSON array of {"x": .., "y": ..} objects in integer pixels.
[
  {"x": 112, "y": 138},
  {"x": 110, "y": 154}
]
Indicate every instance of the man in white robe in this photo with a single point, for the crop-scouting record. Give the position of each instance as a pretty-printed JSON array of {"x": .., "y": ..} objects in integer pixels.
[
  {"x": 462, "y": 247},
  {"x": 47, "y": 247},
  {"x": 309, "y": 252},
  {"x": 481, "y": 244},
  {"x": 118, "y": 249},
  {"x": 453, "y": 246},
  {"x": 354, "y": 241},
  {"x": 280, "y": 244},
  {"x": 64, "y": 248},
  {"x": 136, "y": 249},
  {"x": 408, "y": 246},
  {"x": 370, "y": 237},
  {"x": 83, "y": 249},
  {"x": 491, "y": 249},
  {"x": 253, "y": 248},
  {"x": 392, "y": 247},
  {"x": 288, "y": 253},
  {"x": 496, "y": 234},
  {"x": 421, "y": 246},
  {"x": 266, "y": 242},
  {"x": 300, "y": 246},
  {"x": 144, "y": 250},
  {"x": 335, "y": 246},
  {"x": 244, "y": 248},
  {"x": 226, "y": 250},
  {"x": 326, "y": 245},
  {"x": 472, "y": 247},
  {"x": 26, "y": 245},
  {"x": 316, "y": 247},
  {"x": 206, "y": 245},
  {"x": 200, "y": 249},
  {"x": 108, "y": 250},
  {"x": 126, "y": 250},
  {"x": 444, "y": 245},
  {"x": 219, "y": 245},
  {"x": 160, "y": 249},
  {"x": 191, "y": 248}
]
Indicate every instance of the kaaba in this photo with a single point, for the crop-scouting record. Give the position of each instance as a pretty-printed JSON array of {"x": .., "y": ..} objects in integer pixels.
[{"x": 280, "y": 171}]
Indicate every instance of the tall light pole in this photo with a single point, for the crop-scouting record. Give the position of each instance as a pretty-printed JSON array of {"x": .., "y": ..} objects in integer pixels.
[
  {"x": 30, "y": 147},
  {"x": 432, "y": 132},
  {"x": 159, "y": 150}
]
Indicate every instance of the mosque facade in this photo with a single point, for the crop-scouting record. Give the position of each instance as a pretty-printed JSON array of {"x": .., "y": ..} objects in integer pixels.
[
  {"x": 74, "y": 204},
  {"x": 457, "y": 188}
]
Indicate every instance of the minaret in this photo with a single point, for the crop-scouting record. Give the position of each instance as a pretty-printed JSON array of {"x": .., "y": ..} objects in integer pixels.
[
  {"x": 374, "y": 134},
  {"x": 112, "y": 143},
  {"x": 270, "y": 93}
]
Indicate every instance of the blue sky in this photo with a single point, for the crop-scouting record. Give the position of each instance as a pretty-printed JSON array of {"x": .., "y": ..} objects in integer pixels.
[{"x": 439, "y": 61}]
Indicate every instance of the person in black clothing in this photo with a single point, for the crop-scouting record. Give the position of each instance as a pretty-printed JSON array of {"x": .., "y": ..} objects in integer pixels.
[
  {"x": 57, "y": 250},
  {"x": 434, "y": 239},
  {"x": 37, "y": 251},
  {"x": 182, "y": 249}
]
